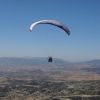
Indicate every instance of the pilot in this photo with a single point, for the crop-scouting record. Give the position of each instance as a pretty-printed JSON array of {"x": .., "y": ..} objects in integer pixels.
[{"x": 49, "y": 59}]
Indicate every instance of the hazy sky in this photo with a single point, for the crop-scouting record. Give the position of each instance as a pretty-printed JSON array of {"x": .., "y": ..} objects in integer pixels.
[{"x": 82, "y": 17}]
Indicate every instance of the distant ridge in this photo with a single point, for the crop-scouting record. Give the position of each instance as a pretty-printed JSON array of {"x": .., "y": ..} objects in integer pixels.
[
  {"x": 39, "y": 61},
  {"x": 96, "y": 61},
  {"x": 29, "y": 61}
]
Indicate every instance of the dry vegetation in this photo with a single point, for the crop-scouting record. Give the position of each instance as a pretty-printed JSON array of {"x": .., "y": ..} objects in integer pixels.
[{"x": 49, "y": 83}]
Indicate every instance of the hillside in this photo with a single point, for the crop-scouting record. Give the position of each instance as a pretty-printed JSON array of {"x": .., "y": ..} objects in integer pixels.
[
  {"x": 37, "y": 79},
  {"x": 39, "y": 61}
]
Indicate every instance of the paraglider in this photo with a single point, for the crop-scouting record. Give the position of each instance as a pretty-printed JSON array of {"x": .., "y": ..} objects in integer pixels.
[
  {"x": 51, "y": 22},
  {"x": 49, "y": 59}
]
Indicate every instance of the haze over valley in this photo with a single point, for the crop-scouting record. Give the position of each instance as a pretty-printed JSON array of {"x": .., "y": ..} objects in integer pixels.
[{"x": 37, "y": 79}]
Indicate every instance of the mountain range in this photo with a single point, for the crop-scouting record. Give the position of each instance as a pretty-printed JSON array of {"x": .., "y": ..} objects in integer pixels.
[
  {"x": 29, "y": 61},
  {"x": 39, "y": 61}
]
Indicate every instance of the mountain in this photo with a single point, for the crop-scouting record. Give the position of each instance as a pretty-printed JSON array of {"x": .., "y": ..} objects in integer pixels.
[
  {"x": 92, "y": 66},
  {"x": 93, "y": 62},
  {"x": 42, "y": 61},
  {"x": 24, "y": 61}
]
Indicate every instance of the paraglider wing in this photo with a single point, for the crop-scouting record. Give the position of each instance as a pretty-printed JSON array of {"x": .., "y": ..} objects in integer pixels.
[{"x": 52, "y": 22}]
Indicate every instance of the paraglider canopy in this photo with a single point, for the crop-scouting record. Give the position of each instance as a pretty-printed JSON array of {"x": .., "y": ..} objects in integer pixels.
[{"x": 51, "y": 22}]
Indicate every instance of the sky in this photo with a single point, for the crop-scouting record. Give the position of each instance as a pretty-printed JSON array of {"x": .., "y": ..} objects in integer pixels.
[{"x": 82, "y": 17}]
